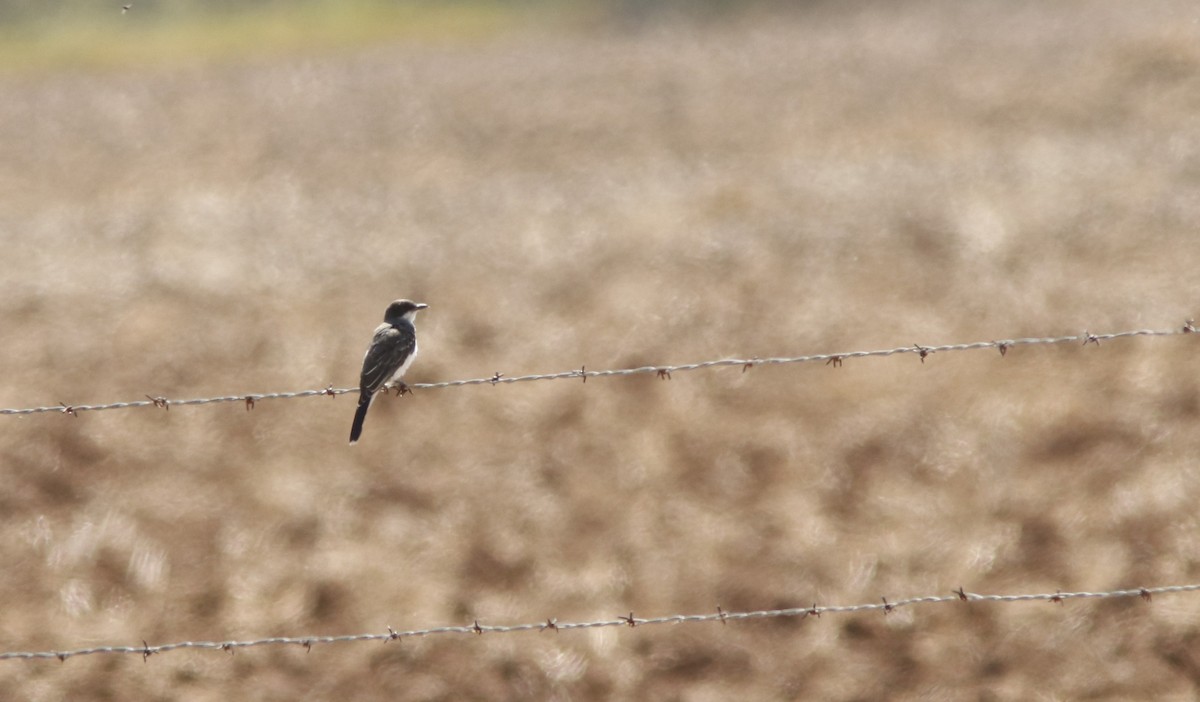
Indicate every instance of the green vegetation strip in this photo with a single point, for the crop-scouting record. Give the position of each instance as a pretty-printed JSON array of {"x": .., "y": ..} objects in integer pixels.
[{"x": 144, "y": 35}]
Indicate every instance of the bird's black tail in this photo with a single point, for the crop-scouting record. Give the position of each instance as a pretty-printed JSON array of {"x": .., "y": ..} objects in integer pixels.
[{"x": 364, "y": 403}]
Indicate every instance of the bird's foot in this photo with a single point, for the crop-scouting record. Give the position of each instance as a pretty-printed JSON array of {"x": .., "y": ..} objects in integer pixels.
[{"x": 401, "y": 388}]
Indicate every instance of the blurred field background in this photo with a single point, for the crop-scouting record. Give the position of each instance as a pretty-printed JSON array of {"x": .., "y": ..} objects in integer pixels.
[{"x": 223, "y": 202}]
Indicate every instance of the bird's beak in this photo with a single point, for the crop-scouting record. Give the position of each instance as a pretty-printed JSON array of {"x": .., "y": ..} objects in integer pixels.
[{"x": 421, "y": 305}]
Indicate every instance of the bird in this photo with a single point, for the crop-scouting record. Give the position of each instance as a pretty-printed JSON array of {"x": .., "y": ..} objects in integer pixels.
[{"x": 392, "y": 350}]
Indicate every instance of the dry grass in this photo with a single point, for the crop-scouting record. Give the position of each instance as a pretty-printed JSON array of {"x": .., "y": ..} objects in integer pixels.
[{"x": 846, "y": 177}]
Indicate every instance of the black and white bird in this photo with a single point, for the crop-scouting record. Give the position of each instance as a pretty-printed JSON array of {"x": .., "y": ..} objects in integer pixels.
[{"x": 391, "y": 352}]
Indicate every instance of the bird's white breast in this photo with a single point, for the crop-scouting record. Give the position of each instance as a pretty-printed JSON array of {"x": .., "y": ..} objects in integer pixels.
[{"x": 407, "y": 362}]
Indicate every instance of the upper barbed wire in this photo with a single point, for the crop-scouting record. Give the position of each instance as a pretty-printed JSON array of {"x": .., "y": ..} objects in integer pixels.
[
  {"x": 884, "y": 605},
  {"x": 663, "y": 371}
]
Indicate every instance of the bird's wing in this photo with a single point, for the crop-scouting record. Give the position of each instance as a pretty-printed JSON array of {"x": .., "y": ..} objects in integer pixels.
[{"x": 388, "y": 351}]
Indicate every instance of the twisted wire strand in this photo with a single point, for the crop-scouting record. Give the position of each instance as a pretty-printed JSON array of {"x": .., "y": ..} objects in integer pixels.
[
  {"x": 250, "y": 399},
  {"x": 884, "y": 606}
]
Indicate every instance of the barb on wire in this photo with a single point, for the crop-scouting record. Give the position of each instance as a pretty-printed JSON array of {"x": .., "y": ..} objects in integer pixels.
[
  {"x": 663, "y": 371},
  {"x": 721, "y": 615}
]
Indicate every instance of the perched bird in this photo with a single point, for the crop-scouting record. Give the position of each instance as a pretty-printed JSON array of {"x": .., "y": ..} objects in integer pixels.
[{"x": 391, "y": 352}]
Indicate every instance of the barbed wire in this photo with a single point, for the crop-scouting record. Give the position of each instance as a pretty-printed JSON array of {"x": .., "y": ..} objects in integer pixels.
[
  {"x": 662, "y": 371},
  {"x": 884, "y": 605}
]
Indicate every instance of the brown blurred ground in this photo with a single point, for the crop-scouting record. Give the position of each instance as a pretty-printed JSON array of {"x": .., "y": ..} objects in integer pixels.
[{"x": 852, "y": 176}]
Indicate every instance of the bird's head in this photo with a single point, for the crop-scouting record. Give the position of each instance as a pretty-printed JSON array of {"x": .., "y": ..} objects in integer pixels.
[{"x": 402, "y": 309}]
